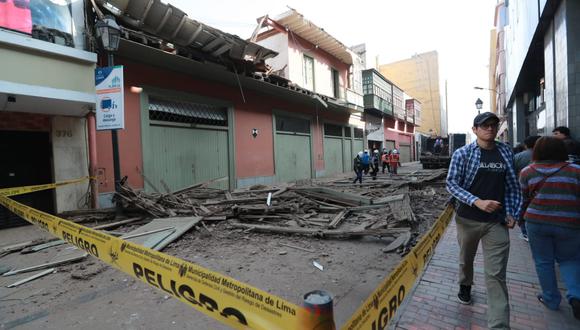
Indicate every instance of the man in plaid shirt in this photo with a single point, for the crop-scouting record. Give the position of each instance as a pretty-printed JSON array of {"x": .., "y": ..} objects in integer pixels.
[{"x": 484, "y": 186}]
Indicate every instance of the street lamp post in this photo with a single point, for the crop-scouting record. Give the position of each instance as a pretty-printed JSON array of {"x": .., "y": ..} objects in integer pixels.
[
  {"x": 109, "y": 35},
  {"x": 478, "y": 105}
]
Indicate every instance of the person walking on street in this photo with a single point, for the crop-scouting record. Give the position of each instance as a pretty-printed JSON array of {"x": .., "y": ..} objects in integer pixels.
[
  {"x": 522, "y": 160},
  {"x": 366, "y": 159},
  {"x": 385, "y": 160},
  {"x": 358, "y": 167},
  {"x": 375, "y": 164},
  {"x": 487, "y": 197},
  {"x": 572, "y": 146},
  {"x": 438, "y": 145},
  {"x": 394, "y": 161},
  {"x": 551, "y": 190}
]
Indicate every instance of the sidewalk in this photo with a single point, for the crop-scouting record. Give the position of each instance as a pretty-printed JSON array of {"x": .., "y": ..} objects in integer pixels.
[{"x": 434, "y": 305}]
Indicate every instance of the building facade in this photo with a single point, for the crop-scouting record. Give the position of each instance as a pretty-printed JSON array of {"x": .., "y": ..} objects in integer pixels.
[
  {"x": 202, "y": 110},
  {"x": 497, "y": 71},
  {"x": 389, "y": 123},
  {"x": 419, "y": 76},
  {"x": 542, "y": 46},
  {"x": 46, "y": 92}
]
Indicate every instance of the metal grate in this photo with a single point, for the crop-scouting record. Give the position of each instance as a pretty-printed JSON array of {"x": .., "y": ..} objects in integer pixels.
[
  {"x": 292, "y": 124},
  {"x": 187, "y": 112},
  {"x": 332, "y": 130}
]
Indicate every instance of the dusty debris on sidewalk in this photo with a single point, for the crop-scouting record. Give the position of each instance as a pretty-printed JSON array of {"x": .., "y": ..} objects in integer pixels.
[{"x": 84, "y": 271}]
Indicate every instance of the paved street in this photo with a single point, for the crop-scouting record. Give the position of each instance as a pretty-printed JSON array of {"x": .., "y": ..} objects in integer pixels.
[{"x": 434, "y": 301}]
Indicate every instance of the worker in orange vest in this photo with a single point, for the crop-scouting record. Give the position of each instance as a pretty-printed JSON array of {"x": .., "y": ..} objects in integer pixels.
[{"x": 394, "y": 161}]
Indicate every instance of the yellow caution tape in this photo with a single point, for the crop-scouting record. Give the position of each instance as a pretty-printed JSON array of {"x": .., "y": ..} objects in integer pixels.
[
  {"x": 227, "y": 300},
  {"x": 28, "y": 189},
  {"x": 380, "y": 307}
]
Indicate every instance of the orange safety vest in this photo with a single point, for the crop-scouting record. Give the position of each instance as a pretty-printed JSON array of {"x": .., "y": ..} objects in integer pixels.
[{"x": 394, "y": 159}]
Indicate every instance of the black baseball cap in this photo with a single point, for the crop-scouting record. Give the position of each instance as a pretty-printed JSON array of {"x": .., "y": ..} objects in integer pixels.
[{"x": 482, "y": 117}]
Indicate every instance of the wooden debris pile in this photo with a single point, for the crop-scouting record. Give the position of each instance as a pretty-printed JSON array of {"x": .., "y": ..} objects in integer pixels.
[{"x": 333, "y": 209}]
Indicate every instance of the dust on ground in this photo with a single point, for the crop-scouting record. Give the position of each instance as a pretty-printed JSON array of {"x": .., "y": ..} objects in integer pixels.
[{"x": 90, "y": 294}]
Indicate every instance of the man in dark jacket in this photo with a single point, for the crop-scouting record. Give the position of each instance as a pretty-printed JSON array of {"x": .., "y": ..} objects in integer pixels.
[
  {"x": 358, "y": 167},
  {"x": 375, "y": 164}
]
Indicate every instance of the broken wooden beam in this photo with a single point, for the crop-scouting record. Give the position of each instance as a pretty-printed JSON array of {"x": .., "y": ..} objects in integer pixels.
[
  {"x": 322, "y": 233},
  {"x": 338, "y": 218}
]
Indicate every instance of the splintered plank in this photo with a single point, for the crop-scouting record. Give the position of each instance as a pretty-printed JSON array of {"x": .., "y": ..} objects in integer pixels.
[{"x": 338, "y": 219}]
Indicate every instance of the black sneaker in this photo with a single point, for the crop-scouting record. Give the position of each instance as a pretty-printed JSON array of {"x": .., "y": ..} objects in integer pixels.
[
  {"x": 464, "y": 295},
  {"x": 575, "y": 307}
]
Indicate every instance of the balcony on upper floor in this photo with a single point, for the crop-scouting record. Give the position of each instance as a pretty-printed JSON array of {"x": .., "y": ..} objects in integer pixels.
[{"x": 377, "y": 92}]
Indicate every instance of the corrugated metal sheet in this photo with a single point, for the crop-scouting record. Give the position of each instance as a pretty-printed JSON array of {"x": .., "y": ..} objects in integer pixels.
[{"x": 171, "y": 24}]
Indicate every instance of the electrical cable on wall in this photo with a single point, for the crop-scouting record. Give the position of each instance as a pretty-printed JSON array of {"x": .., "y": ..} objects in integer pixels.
[{"x": 239, "y": 84}]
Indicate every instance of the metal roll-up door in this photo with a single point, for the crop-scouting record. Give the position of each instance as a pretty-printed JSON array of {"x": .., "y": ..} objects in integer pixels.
[
  {"x": 405, "y": 153},
  {"x": 292, "y": 149},
  {"x": 186, "y": 143},
  {"x": 333, "y": 150},
  {"x": 358, "y": 143},
  {"x": 389, "y": 144}
]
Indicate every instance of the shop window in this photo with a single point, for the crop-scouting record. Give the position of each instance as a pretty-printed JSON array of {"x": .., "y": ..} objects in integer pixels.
[
  {"x": 308, "y": 72},
  {"x": 48, "y": 20}
]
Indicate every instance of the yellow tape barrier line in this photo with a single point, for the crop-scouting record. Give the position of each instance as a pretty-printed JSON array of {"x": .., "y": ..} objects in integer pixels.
[
  {"x": 28, "y": 189},
  {"x": 227, "y": 300},
  {"x": 380, "y": 307}
]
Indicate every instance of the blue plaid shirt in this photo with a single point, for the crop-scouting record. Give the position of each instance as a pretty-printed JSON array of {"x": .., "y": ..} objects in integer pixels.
[{"x": 462, "y": 171}]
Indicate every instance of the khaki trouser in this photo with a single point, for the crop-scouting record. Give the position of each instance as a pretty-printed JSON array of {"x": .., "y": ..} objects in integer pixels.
[{"x": 496, "y": 245}]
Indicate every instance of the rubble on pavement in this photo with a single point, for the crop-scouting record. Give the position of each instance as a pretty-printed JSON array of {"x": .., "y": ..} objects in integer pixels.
[{"x": 395, "y": 208}]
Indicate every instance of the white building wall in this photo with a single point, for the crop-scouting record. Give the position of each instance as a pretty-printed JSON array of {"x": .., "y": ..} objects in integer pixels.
[
  {"x": 322, "y": 73},
  {"x": 323, "y": 78},
  {"x": 278, "y": 43},
  {"x": 69, "y": 150}
]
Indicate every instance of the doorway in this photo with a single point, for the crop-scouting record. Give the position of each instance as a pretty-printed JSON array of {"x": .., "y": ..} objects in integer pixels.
[{"x": 26, "y": 160}]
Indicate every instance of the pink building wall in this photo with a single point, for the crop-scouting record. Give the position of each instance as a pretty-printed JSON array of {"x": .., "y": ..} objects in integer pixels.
[
  {"x": 320, "y": 56},
  {"x": 400, "y": 132},
  {"x": 254, "y": 156}
]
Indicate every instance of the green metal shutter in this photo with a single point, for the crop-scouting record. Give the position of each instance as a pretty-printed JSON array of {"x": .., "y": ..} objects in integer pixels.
[
  {"x": 405, "y": 153},
  {"x": 358, "y": 146},
  {"x": 390, "y": 145},
  {"x": 333, "y": 151},
  {"x": 292, "y": 149},
  {"x": 185, "y": 143},
  {"x": 347, "y": 155},
  {"x": 186, "y": 156},
  {"x": 292, "y": 157}
]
